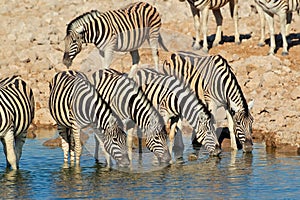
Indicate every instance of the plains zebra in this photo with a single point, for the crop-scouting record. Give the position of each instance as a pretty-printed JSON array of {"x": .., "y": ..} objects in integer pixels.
[
  {"x": 125, "y": 29},
  {"x": 213, "y": 80},
  {"x": 16, "y": 114},
  {"x": 282, "y": 8},
  {"x": 204, "y": 6},
  {"x": 129, "y": 102},
  {"x": 176, "y": 101},
  {"x": 75, "y": 104}
]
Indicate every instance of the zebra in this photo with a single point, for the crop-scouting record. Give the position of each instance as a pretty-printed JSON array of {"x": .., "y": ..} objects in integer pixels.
[
  {"x": 123, "y": 30},
  {"x": 204, "y": 6},
  {"x": 129, "y": 102},
  {"x": 282, "y": 8},
  {"x": 16, "y": 114},
  {"x": 175, "y": 101},
  {"x": 212, "y": 79},
  {"x": 75, "y": 104}
]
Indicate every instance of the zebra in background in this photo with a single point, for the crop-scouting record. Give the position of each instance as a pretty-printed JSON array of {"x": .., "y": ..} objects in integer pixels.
[
  {"x": 176, "y": 101},
  {"x": 16, "y": 114},
  {"x": 75, "y": 104},
  {"x": 203, "y": 7},
  {"x": 212, "y": 79},
  {"x": 122, "y": 30},
  {"x": 129, "y": 102},
  {"x": 282, "y": 8}
]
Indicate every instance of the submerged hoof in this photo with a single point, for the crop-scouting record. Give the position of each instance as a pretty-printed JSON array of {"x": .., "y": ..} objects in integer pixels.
[{"x": 192, "y": 157}]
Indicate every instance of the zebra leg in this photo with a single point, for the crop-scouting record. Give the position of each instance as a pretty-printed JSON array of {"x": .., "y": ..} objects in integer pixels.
[
  {"x": 19, "y": 142},
  {"x": 231, "y": 130},
  {"x": 135, "y": 60},
  {"x": 234, "y": 14},
  {"x": 106, "y": 154},
  {"x": 78, "y": 147},
  {"x": 270, "y": 20},
  {"x": 11, "y": 158},
  {"x": 219, "y": 20},
  {"x": 260, "y": 11},
  {"x": 108, "y": 56},
  {"x": 204, "y": 28},
  {"x": 63, "y": 134},
  {"x": 154, "y": 48},
  {"x": 197, "y": 25},
  {"x": 178, "y": 142},
  {"x": 283, "y": 26}
]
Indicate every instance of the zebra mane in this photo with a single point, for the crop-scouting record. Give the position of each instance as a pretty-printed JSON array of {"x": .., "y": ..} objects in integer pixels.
[
  {"x": 75, "y": 23},
  {"x": 7, "y": 81}
]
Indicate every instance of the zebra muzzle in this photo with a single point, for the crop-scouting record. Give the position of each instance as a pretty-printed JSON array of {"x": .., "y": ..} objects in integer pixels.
[{"x": 67, "y": 60}]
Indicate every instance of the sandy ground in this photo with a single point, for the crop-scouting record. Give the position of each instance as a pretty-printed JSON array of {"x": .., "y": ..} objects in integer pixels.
[{"x": 32, "y": 46}]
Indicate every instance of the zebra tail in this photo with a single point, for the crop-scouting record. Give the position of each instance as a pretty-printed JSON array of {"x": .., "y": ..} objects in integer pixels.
[{"x": 161, "y": 43}]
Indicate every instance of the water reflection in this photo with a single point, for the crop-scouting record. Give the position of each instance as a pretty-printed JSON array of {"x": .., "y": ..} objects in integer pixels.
[{"x": 15, "y": 184}]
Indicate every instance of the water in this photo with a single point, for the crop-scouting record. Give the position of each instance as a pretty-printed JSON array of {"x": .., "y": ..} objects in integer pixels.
[{"x": 260, "y": 175}]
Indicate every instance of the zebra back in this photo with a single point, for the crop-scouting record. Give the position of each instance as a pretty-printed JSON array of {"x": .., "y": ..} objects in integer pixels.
[{"x": 16, "y": 100}]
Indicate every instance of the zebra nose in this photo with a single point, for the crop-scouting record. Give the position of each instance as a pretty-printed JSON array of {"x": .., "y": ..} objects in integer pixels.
[
  {"x": 67, "y": 60},
  {"x": 165, "y": 158},
  {"x": 217, "y": 151},
  {"x": 124, "y": 162},
  {"x": 248, "y": 145}
]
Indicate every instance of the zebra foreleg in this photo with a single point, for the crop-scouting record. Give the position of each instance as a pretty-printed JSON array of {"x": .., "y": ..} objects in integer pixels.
[
  {"x": 135, "y": 61},
  {"x": 283, "y": 27},
  {"x": 19, "y": 142},
  {"x": 11, "y": 157},
  {"x": 231, "y": 130},
  {"x": 63, "y": 134},
  {"x": 197, "y": 26},
  {"x": 270, "y": 20},
  {"x": 204, "y": 28},
  {"x": 98, "y": 141}
]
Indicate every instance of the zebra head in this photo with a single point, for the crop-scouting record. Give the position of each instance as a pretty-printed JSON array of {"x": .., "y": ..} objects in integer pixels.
[
  {"x": 115, "y": 144},
  {"x": 156, "y": 140},
  {"x": 73, "y": 44},
  {"x": 206, "y": 134},
  {"x": 243, "y": 121}
]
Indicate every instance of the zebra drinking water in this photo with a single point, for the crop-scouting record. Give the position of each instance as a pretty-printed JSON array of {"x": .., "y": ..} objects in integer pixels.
[
  {"x": 175, "y": 101},
  {"x": 282, "y": 8},
  {"x": 122, "y": 30},
  {"x": 75, "y": 104},
  {"x": 129, "y": 102},
  {"x": 16, "y": 114},
  {"x": 212, "y": 79},
  {"x": 203, "y": 7}
]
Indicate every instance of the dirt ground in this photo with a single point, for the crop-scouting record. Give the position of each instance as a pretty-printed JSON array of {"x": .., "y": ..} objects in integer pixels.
[{"x": 32, "y": 46}]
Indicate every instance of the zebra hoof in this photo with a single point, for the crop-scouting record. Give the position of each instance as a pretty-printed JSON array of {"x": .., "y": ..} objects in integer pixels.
[
  {"x": 237, "y": 42},
  {"x": 284, "y": 53},
  {"x": 260, "y": 44},
  {"x": 196, "y": 47}
]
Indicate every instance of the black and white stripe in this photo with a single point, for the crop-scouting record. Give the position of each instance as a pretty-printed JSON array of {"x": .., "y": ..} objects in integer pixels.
[
  {"x": 283, "y": 8},
  {"x": 175, "y": 101},
  {"x": 213, "y": 81},
  {"x": 75, "y": 104},
  {"x": 124, "y": 29},
  {"x": 203, "y": 7},
  {"x": 129, "y": 102},
  {"x": 16, "y": 114}
]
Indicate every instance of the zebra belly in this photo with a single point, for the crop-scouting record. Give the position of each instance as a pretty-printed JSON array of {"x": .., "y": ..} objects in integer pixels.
[{"x": 131, "y": 40}]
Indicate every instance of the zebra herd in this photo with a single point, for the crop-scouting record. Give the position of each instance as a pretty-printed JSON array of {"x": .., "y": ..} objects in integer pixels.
[{"x": 187, "y": 86}]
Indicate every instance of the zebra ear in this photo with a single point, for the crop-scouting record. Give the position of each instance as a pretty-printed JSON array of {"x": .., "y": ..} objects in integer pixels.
[{"x": 251, "y": 104}]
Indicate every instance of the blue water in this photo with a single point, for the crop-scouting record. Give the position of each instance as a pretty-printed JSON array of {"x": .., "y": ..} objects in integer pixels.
[{"x": 260, "y": 175}]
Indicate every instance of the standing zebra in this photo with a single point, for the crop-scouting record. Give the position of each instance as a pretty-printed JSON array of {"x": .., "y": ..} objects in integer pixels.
[
  {"x": 212, "y": 79},
  {"x": 129, "y": 102},
  {"x": 74, "y": 104},
  {"x": 282, "y": 8},
  {"x": 204, "y": 6},
  {"x": 16, "y": 114},
  {"x": 176, "y": 101},
  {"x": 123, "y": 30}
]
